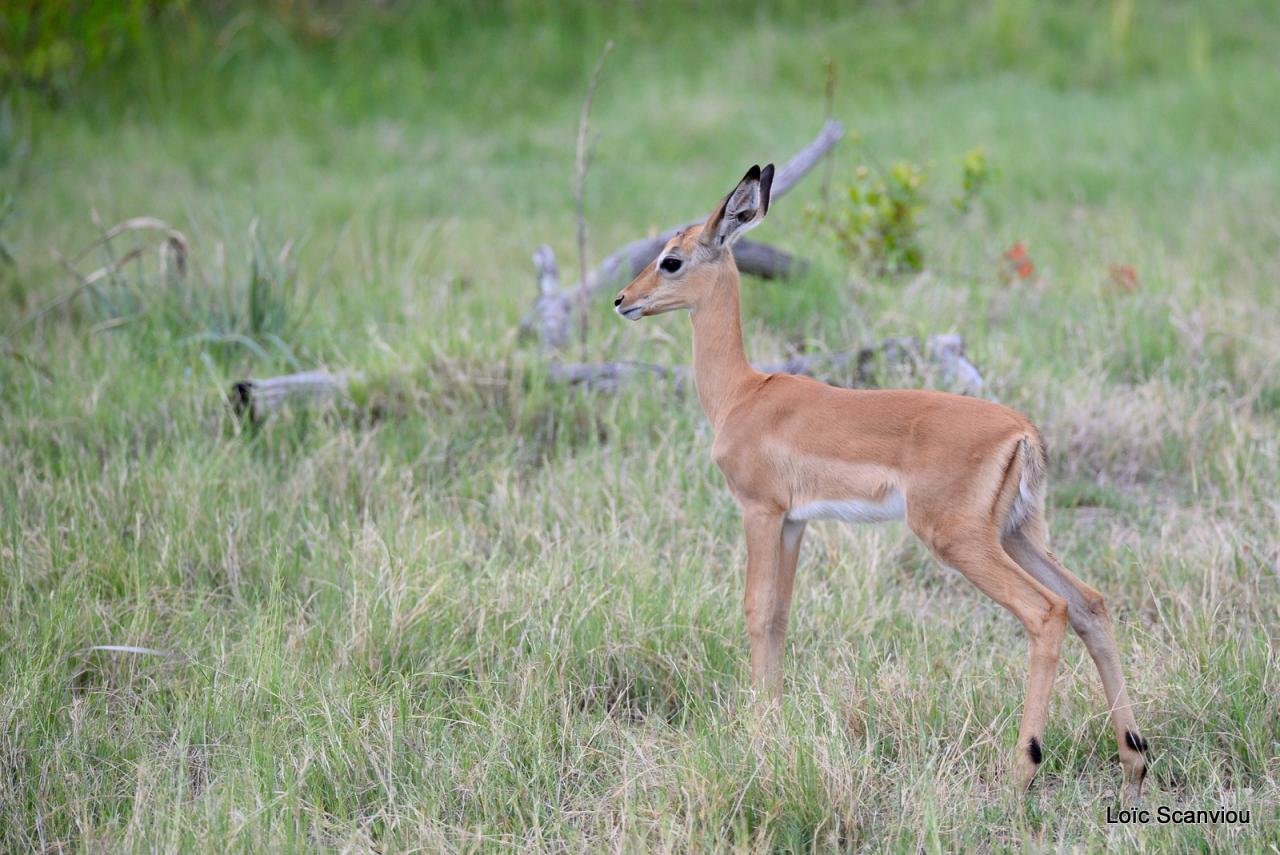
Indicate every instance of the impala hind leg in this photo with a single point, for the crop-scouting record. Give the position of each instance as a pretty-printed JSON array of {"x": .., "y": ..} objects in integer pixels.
[
  {"x": 1042, "y": 613},
  {"x": 1089, "y": 618}
]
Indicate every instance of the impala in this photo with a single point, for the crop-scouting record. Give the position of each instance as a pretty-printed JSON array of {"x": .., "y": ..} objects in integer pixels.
[{"x": 967, "y": 475}]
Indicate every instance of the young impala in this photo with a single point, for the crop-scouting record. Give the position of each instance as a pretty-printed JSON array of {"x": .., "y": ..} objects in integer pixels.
[{"x": 967, "y": 475}]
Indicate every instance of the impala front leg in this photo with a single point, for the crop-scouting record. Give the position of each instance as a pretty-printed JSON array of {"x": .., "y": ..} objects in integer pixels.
[
  {"x": 766, "y": 625},
  {"x": 788, "y": 559}
]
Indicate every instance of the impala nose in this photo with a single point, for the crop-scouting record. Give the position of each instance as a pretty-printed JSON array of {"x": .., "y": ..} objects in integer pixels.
[{"x": 617, "y": 302}]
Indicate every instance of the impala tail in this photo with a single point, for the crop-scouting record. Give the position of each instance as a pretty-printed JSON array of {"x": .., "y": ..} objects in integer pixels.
[{"x": 1024, "y": 483}]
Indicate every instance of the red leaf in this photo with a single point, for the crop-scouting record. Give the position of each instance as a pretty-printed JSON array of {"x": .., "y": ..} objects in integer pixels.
[
  {"x": 1018, "y": 263},
  {"x": 1123, "y": 277}
]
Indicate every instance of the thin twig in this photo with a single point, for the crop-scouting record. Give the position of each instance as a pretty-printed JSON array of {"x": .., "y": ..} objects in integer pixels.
[
  {"x": 581, "y": 162},
  {"x": 828, "y": 110}
]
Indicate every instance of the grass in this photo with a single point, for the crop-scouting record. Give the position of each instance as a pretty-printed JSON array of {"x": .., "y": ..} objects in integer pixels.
[{"x": 507, "y": 616}]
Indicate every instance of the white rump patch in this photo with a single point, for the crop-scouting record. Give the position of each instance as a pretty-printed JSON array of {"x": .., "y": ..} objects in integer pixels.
[
  {"x": 1030, "y": 495},
  {"x": 892, "y": 507},
  {"x": 1023, "y": 502}
]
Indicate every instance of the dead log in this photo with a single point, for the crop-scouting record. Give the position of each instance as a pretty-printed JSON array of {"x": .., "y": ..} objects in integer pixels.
[
  {"x": 258, "y": 399},
  {"x": 552, "y": 318},
  {"x": 607, "y": 376},
  {"x": 946, "y": 351},
  {"x": 752, "y": 258},
  {"x": 638, "y": 253},
  {"x": 552, "y": 313},
  {"x": 759, "y": 259}
]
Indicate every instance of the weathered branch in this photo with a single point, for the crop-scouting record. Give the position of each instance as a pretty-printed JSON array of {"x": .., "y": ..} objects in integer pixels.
[
  {"x": 760, "y": 259},
  {"x": 752, "y": 257},
  {"x": 631, "y": 258},
  {"x": 944, "y": 350},
  {"x": 948, "y": 351},
  {"x": 607, "y": 376},
  {"x": 638, "y": 253},
  {"x": 552, "y": 312},
  {"x": 260, "y": 398}
]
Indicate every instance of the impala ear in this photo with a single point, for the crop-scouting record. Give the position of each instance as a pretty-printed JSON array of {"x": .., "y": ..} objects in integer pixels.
[{"x": 741, "y": 210}]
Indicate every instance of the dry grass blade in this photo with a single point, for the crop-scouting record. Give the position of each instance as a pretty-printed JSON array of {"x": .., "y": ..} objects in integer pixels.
[
  {"x": 129, "y": 648},
  {"x": 176, "y": 239},
  {"x": 82, "y": 283},
  {"x": 175, "y": 245},
  {"x": 108, "y": 269}
]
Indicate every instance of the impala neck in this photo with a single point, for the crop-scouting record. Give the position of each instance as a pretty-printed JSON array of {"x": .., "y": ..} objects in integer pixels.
[{"x": 720, "y": 367}]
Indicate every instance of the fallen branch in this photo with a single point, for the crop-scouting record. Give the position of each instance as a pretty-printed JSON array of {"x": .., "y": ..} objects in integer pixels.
[
  {"x": 948, "y": 351},
  {"x": 640, "y": 252},
  {"x": 631, "y": 258},
  {"x": 758, "y": 259},
  {"x": 944, "y": 350},
  {"x": 260, "y": 398},
  {"x": 553, "y": 309},
  {"x": 552, "y": 312},
  {"x": 607, "y": 376}
]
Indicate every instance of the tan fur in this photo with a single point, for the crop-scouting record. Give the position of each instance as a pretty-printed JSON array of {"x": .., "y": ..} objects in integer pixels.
[{"x": 971, "y": 474}]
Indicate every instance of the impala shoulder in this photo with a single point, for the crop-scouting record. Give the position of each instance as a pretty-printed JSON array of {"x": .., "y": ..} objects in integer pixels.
[
  {"x": 736, "y": 438},
  {"x": 721, "y": 449}
]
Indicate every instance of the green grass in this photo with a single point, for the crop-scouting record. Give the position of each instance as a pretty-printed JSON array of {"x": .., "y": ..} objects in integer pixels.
[{"x": 504, "y": 615}]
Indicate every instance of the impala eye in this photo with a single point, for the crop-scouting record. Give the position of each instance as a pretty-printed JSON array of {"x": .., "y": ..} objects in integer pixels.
[{"x": 670, "y": 264}]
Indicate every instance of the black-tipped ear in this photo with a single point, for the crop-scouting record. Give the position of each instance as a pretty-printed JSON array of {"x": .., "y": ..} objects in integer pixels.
[{"x": 741, "y": 210}]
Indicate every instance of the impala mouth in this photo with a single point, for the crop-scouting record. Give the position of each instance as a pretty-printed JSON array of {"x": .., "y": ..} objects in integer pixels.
[{"x": 632, "y": 312}]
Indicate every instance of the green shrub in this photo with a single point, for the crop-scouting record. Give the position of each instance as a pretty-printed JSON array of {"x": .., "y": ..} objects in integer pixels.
[
  {"x": 879, "y": 225},
  {"x": 48, "y": 45},
  {"x": 877, "y": 221},
  {"x": 976, "y": 176}
]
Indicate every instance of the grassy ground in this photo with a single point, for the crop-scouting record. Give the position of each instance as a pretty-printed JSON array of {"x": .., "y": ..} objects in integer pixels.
[{"x": 506, "y": 616}]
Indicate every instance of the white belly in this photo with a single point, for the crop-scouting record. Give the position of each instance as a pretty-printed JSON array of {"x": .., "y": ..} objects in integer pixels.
[{"x": 852, "y": 510}]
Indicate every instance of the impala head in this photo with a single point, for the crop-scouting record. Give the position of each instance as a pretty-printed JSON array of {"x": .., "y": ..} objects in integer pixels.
[{"x": 689, "y": 266}]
